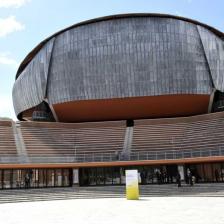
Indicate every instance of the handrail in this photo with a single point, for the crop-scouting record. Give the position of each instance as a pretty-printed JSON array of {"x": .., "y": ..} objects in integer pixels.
[{"x": 112, "y": 157}]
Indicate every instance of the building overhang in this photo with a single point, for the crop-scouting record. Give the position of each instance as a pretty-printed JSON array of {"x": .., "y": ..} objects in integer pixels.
[{"x": 113, "y": 164}]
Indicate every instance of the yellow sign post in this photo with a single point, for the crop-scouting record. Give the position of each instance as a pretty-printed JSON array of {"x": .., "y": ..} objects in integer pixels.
[{"x": 132, "y": 190}]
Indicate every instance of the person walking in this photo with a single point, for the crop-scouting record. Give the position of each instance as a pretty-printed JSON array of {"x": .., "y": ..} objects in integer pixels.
[
  {"x": 158, "y": 176},
  {"x": 189, "y": 176},
  {"x": 178, "y": 179},
  {"x": 27, "y": 181},
  {"x": 216, "y": 175}
]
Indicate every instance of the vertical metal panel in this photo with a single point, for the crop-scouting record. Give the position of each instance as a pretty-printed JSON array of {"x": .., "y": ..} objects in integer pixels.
[
  {"x": 214, "y": 50},
  {"x": 30, "y": 87},
  {"x": 128, "y": 57}
]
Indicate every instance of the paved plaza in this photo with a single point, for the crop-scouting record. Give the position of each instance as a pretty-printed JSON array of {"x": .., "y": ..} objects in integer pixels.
[{"x": 165, "y": 210}]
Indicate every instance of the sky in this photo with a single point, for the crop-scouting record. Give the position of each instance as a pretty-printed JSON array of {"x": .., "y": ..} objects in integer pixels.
[{"x": 25, "y": 23}]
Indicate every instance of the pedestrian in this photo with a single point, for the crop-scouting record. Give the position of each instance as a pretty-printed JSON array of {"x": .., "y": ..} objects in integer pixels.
[
  {"x": 190, "y": 179},
  {"x": 27, "y": 180},
  {"x": 216, "y": 175},
  {"x": 158, "y": 176},
  {"x": 178, "y": 179},
  {"x": 193, "y": 180},
  {"x": 188, "y": 176}
]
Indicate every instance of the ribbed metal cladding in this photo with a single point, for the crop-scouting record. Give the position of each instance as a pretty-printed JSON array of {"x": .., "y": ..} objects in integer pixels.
[
  {"x": 125, "y": 57},
  {"x": 214, "y": 51},
  {"x": 30, "y": 88}
]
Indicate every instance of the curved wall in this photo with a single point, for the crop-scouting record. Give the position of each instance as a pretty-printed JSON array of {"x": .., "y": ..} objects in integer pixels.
[
  {"x": 123, "y": 58},
  {"x": 30, "y": 87}
]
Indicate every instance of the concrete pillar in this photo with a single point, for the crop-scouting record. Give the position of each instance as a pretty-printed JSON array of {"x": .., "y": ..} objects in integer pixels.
[
  {"x": 181, "y": 171},
  {"x": 75, "y": 177}
]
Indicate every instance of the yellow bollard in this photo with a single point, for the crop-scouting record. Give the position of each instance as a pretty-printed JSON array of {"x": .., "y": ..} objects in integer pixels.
[{"x": 132, "y": 190}]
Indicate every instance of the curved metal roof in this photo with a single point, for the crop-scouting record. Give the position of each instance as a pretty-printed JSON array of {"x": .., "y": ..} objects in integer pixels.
[{"x": 30, "y": 56}]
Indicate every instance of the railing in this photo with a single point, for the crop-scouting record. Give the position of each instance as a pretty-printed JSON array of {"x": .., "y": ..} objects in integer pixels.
[
  {"x": 110, "y": 157},
  {"x": 41, "y": 116}
]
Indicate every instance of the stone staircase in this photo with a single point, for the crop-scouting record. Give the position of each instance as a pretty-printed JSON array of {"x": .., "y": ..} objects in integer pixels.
[{"x": 49, "y": 194}]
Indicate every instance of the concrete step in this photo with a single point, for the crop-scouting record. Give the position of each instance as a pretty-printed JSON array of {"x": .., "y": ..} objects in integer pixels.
[{"x": 48, "y": 194}]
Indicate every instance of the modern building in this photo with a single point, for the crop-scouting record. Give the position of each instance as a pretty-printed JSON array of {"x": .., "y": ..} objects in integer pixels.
[{"x": 132, "y": 91}]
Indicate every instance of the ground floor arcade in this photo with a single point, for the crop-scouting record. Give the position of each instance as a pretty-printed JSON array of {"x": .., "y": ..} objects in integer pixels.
[{"x": 96, "y": 176}]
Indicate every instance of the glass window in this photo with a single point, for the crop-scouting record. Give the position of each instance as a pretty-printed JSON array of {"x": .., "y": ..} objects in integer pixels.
[
  {"x": 122, "y": 174},
  {"x": 92, "y": 176},
  {"x": 15, "y": 179},
  {"x": 65, "y": 177},
  {"x": 7, "y": 179},
  {"x": 100, "y": 179},
  {"x": 116, "y": 175},
  {"x": 58, "y": 177},
  {"x": 200, "y": 173},
  {"x": 217, "y": 172},
  {"x": 222, "y": 171},
  {"x": 1, "y": 179},
  {"x": 50, "y": 178},
  {"x": 149, "y": 175},
  {"x": 108, "y": 176},
  {"x": 42, "y": 178},
  {"x": 208, "y": 172},
  {"x": 34, "y": 175}
]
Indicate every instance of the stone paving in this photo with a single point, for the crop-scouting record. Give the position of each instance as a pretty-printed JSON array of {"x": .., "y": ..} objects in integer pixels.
[{"x": 165, "y": 210}]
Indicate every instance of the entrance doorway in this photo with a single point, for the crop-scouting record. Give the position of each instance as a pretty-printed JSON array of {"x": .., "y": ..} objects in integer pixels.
[{"x": 101, "y": 176}]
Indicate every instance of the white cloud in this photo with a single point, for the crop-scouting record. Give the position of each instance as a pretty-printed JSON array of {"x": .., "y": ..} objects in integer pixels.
[
  {"x": 9, "y": 25},
  {"x": 6, "y": 59},
  {"x": 12, "y": 3},
  {"x": 6, "y": 108}
]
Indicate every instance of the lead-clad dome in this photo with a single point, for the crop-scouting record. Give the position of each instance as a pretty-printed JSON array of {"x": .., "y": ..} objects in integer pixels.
[{"x": 123, "y": 67}]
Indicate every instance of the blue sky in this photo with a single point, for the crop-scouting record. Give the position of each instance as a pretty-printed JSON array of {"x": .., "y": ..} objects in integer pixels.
[{"x": 25, "y": 23}]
